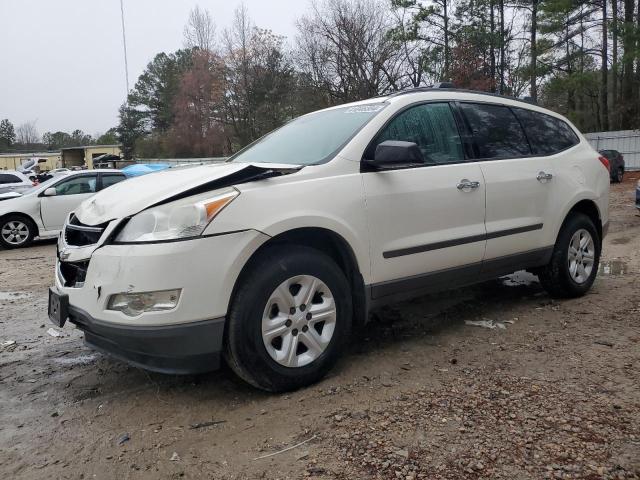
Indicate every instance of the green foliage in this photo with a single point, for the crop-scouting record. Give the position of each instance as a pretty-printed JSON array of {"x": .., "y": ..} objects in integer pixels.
[
  {"x": 57, "y": 140},
  {"x": 7, "y": 134},
  {"x": 110, "y": 137},
  {"x": 155, "y": 91},
  {"x": 130, "y": 129}
]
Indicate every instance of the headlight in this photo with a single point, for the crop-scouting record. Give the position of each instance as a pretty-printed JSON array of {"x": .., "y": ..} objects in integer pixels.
[{"x": 182, "y": 219}]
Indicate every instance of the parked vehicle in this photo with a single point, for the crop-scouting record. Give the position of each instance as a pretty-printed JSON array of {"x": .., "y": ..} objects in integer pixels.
[
  {"x": 13, "y": 181},
  {"x": 270, "y": 259},
  {"x": 40, "y": 211},
  {"x": 638, "y": 195},
  {"x": 616, "y": 164}
]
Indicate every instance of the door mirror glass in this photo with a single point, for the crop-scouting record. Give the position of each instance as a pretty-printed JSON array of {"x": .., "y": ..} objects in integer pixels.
[
  {"x": 50, "y": 192},
  {"x": 396, "y": 154}
]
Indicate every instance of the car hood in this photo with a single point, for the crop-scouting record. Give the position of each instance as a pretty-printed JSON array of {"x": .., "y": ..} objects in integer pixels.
[
  {"x": 9, "y": 195},
  {"x": 129, "y": 197}
]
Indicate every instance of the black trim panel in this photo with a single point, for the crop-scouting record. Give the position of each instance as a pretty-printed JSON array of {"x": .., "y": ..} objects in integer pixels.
[
  {"x": 187, "y": 348},
  {"x": 460, "y": 241},
  {"x": 409, "y": 287},
  {"x": 514, "y": 231}
]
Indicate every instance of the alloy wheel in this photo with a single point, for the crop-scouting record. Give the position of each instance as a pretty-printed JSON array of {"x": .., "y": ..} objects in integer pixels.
[
  {"x": 581, "y": 257},
  {"x": 15, "y": 232},
  {"x": 298, "y": 321}
]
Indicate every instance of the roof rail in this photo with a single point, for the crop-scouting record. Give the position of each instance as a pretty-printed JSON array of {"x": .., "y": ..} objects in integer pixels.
[{"x": 446, "y": 86}]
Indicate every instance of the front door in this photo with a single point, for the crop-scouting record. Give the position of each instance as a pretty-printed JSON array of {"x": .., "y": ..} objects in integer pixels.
[
  {"x": 426, "y": 224},
  {"x": 70, "y": 193}
]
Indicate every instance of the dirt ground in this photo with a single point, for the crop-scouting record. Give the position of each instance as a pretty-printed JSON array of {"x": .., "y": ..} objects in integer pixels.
[{"x": 421, "y": 394}]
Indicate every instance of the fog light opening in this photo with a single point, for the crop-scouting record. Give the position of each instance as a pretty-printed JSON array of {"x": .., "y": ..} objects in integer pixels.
[{"x": 135, "y": 304}]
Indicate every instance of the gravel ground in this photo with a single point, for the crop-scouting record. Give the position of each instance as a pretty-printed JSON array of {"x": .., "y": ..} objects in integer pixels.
[{"x": 421, "y": 394}]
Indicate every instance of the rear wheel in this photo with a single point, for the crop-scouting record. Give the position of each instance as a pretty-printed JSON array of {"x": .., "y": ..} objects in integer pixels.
[
  {"x": 290, "y": 319},
  {"x": 16, "y": 231},
  {"x": 575, "y": 259},
  {"x": 619, "y": 176}
]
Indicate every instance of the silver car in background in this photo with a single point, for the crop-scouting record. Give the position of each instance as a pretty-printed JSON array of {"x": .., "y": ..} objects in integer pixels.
[{"x": 14, "y": 181}]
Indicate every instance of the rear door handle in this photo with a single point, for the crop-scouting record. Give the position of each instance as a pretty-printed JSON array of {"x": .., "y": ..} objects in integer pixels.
[
  {"x": 543, "y": 176},
  {"x": 467, "y": 185}
]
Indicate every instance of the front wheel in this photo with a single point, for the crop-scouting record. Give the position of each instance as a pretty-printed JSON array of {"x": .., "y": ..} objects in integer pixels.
[
  {"x": 290, "y": 319},
  {"x": 575, "y": 259},
  {"x": 16, "y": 231}
]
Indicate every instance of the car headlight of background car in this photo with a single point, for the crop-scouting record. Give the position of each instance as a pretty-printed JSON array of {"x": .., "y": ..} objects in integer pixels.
[{"x": 182, "y": 219}]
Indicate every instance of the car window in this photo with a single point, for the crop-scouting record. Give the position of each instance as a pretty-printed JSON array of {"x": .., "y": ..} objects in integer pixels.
[
  {"x": 496, "y": 131},
  {"x": 8, "y": 178},
  {"x": 547, "y": 134},
  {"x": 432, "y": 127},
  {"x": 108, "y": 180},
  {"x": 311, "y": 139},
  {"x": 77, "y": 185}
]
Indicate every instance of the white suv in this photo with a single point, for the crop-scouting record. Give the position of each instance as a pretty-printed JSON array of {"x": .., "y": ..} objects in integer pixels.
[{"x": 269, "y": 259}]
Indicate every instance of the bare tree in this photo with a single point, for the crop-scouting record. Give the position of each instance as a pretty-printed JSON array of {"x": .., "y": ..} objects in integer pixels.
[
  {"x": 343, "y": 45},
  {"x": 260, "y": 81},
  {"x": 200, "y": 30},
  {"x": 27, "y": 134}
]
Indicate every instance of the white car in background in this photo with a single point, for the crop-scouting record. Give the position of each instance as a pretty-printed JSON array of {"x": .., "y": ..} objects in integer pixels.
[
  {"x": 41, "y": 211},
  {"x": 14, "y": 181}
]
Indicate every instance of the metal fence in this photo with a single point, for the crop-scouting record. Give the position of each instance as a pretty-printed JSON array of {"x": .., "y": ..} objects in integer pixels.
[
  {"x": 173, "y": 162},
  {"x": 627, "y": 142},
  {"x": 182, "y": 161}
]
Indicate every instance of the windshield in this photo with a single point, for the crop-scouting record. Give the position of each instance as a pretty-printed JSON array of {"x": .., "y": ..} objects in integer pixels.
[
  {"x": 310, "y": 139},
  {"x": 41, "y": 186}
]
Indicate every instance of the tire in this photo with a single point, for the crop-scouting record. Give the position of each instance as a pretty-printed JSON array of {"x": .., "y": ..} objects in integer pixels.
[
  {"x": 619, "y": 176},
  {"x": 285, "y": 357},
  {"x": 558, "y": 278},
  {"x": 16, "y": 231}
]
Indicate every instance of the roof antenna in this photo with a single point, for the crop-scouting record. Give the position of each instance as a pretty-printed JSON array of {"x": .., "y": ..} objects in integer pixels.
[{"x": 124, "y": 44}]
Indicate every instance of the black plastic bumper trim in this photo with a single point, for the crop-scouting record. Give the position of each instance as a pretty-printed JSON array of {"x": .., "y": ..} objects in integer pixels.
[{"x": 173, "y": 349}]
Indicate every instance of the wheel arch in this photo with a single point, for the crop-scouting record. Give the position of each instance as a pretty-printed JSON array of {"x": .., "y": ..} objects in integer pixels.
[
  {"x": 24, "y": 215},
  {"x": 328, "y": 242},
  {"x": 589, "y": 208}
]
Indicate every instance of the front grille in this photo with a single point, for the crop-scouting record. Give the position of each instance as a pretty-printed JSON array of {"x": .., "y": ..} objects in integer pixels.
[
  {"x": 78, "y": 234},
  {"x": 74, "y": 273}
]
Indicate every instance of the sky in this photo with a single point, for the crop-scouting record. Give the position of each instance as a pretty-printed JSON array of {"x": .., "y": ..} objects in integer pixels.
[{"x": 62, "y": 62}]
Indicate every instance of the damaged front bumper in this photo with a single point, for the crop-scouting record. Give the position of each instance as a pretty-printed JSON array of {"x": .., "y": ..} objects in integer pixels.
[
  {"x": 184, "y": 339},
  {"x": 193, "y": 347}
]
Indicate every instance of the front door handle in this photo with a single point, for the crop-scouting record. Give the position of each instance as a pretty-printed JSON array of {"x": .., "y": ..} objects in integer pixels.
[
  {"x": 467, "y": 185},
  {"x": 543, "y": 176}
]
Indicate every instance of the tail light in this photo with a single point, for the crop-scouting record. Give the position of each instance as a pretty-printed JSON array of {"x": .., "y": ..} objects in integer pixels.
[{"x": 605, "y": 162}]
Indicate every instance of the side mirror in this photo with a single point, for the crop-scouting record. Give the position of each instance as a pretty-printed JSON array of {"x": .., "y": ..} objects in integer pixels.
[
  {"x": 50, "y": 192},
  {"x": 392, "y": 154}
]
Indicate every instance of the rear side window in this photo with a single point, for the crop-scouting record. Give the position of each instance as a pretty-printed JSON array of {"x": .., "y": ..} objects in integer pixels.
[
  {"x": 496, "y": 131},
  {"x": 432, "y": 127},
  {"x": 6, "y": 178},
  {"x": 108, "y": 180},
  {"x": 547, "y": 135}
]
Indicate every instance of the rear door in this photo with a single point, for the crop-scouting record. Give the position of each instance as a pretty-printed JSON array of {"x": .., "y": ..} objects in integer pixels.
[
  {"x": 70, "y": 193},
  {"x": 426, "y": 229},
  {"x": 519, "y": 183}
]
